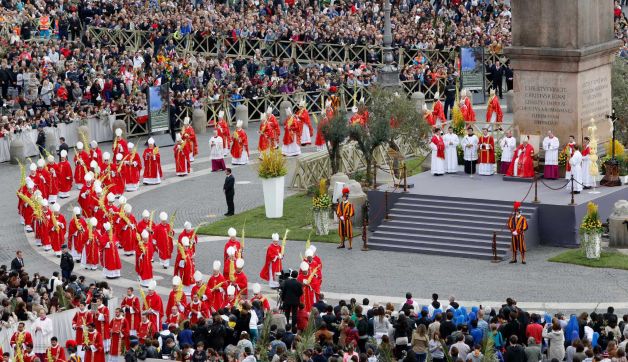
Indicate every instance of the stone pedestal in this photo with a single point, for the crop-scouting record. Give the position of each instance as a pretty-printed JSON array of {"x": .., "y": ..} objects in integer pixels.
[
  {"x": 562, "y": 78},
  {"x": 510, "y": 101},
  {"x": 119, "y": 123},
  {"x": 242, "y": 114},
  {"x": 16, "y": 151},
  {"x": 617, "y": 227},
  {"x": 419, "y": 100},
  {"x": 199, "y": 121},
  {"x": 282, "y": 111}
]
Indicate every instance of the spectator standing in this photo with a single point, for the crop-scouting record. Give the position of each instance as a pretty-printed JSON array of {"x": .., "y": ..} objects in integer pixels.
[
  {"x": 514, "y": 351},
  {"x": 229, "y": 190},
  {"x": 41, "y": 141},
  {"x": 66, "y": 264},
  {"x": 17, "y": 264},
  {"x": 63, "y": 146}
]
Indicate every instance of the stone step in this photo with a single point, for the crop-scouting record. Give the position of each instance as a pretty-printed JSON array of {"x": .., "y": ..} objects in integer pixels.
[
  {"x": 452, "y": 232},
  {"x": 388, "y": 246}
]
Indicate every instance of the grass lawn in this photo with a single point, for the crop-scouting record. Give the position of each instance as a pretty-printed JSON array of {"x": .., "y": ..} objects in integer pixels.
[
  {"x": 297, "y": 218},
  {"x": 608, "y": 259},
  {"x": 414, "y": 165}
]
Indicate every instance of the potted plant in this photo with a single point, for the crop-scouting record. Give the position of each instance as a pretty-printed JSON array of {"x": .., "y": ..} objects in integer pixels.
[
  {"x": 321, "y": 205},
  {"x": 562, "y": 163},
  {"x": 272, "y": 170},
  {"x": 591, "y": 233}
]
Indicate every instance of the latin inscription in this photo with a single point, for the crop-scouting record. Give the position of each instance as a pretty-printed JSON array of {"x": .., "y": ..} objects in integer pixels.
[{"x": 545, "y": 104}]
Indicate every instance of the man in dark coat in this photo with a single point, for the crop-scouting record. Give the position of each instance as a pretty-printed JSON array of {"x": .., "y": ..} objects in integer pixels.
[
  {"x": 229, "y": 190},
  {"x": 291, "y": 291},
  {"x": 497, "y": 75}
]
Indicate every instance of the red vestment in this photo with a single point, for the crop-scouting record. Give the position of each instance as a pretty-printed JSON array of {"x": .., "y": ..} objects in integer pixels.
[
  {"x": 86, "y": 200},
  {"x": 235, "y": 243},
  {"x": 311, "y": 288},
  {"x": 110, "y": 257},
  {"x": 189, "y": 136},
  {"x": 438, "y": 111},
  {"x": 156, "y": 305},
  {"x": 523, "y": 158},
  {"x": 291, "y": 131},
  {"x": 143, "y": 264},
  {"x": 493, "y": 106},
  {"x": 152, "y": 164},
  {"x": 568, "y": 150},
  {"x": 223, "y": 132},
  {"x": 77, "y": 234},
  {"x": 27, "y": 339},
  {"x": 120, "y": 145},
  {"x": 133, "y": 169},
  {"x": 64, "y": 176},
  {"x": 175, "y": 319},
  {"x": 470, "y": 116},
  {"x": 440, "y": 146},
  {"x": 95, "y": 154},
  {"x": 304, "y": 120},
  {"x": 214, "y": 293},
  {"x": 172, "y": 301},
  {"x": 195, "y": 311},
  {"x": 486, "y": 149},
  {"x": 429, "y": 118},
  {"x": 57, "y": 233},
  {"x": 102, "y": 321},
  {"x": 186, "y": 272},
  {"x": 81, "y": 166},
  {"x": 190, "y": 234},
  {"x": 57, "y": 352},
  {"x": 146, "y": 330},
  {"x": 163, "y": 235},
  {"x": 273, "y": 263},
  {"x": 241, "y": 283},
  {"x": 42, "y": 181},
  {"x": 92, "y": 250},
  {"x": 182, "y": 158},
  {"x": 131, "y": 307},
  {"x": 53, "y": 171},
  {"x": 23, "y": 208},
  {"x": 80, "y": 322},
  {"x": 239, "y": 144},
  {"x": 263, "y": 300},
  {"x": 119, "y": 332},
  {"x": 274, "y": 126},
  {"x": 127, "y": 233},
  {"x": 117, "y": 179},
  {"x": 266, "y": 139}
]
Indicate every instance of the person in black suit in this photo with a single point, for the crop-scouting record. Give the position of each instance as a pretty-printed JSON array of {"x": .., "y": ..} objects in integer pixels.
[
  {"x": 508, "y": 73},
  {"x": 497, "y": 76},
  {"x": 63, "y": 146},
  {"x": 291, "y": 291},
  {"x": 17, "y": 264},
  {"x": 229, "y": 190},
  {"x": 41, "y": 141}
]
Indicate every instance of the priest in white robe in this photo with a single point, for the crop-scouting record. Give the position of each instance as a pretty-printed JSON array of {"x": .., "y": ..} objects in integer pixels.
[
  {"x": 587, "y": 179},
  {"x": 41, "y": 330},
  {"x": 470, "y": 147},
  {"x": 550, "y": 146},
  {"x": 451, "y": 150},
  {"x": 508, "y": 145},
  {"x": 438, "y": 153},
  {"x": 576, "y": 169},
  {"x": 216, "y": 152}
]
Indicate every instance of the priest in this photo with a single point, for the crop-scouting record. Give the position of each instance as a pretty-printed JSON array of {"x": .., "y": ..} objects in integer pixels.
[
  {"x": 470, "y": 149},
  {"x": 522, "y": 164},
  {"x": 274, "y": 125},
  {"x": 154, "y": 305},
  {"x": 222, "y": 129},
  {"x": 163, "y": 236},
  {"x": 438, "y": 112},
  {"x": 272, "y": 264},
  {"x": 550, "y": 146},
  {"x": 291, "y": 136},
  {"x": 568, "y": 150},
  {"x": 305, "y": 124},
  {"x": 438, "y": 153},
  {"x": 216, "y": 286},
  {"x": 182, "y": 154},
  {"x": 143, "y": 262},
  {"x": 152, "y": 164},
  {"x": 65, "y": 175},
  {"x": 81, "y": 164},
  {"x": 487, "y": 153},
  {"x": 216, "y": 152},
  {"x": 508, "y": 145},
  {"x": 311, "y": 287},
  {"x": 110, "y": 258},
  {"x": 131, "y": 307},
  {"x": 239, "y": 146},
  {"x": 266, "y": 140},
  {"x": 189, "y": 137},
  {"x": 451, "y": 141},
  {"x": 132, "y": 169},
  {"x": 234, "y": 243},
  {"x": 587, "y": 179},
  {"x": 494, "y": 111},
  {"x": 576, "y": 169}
]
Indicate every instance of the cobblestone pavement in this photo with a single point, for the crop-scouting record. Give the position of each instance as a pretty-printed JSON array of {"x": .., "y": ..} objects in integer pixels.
[{"x": 382, "y": 276}]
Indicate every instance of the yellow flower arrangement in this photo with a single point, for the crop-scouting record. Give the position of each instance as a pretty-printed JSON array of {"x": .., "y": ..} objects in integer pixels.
[{"x": 591, "y": 222}]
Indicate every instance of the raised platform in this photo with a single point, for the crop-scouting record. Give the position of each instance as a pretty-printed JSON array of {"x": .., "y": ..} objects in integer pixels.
[{"x": 457, "y": 214}]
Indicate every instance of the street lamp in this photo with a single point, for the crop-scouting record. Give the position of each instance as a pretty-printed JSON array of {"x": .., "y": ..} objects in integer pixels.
[{"x": 389, "y": 74}]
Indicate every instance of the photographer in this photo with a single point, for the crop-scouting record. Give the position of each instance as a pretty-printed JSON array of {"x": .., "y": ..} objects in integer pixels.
[{"x": 291, "y": 291}]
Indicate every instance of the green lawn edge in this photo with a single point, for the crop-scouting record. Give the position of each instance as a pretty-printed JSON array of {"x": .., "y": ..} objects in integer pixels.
[
  {"x": 297, "y": 211},
  {"x": 608, "y": 259}
]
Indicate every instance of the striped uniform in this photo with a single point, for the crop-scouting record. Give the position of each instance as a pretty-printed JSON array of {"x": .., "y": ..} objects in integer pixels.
[
  {"x": 518, "y": 224},
  {"x": 345, "y": 228}
]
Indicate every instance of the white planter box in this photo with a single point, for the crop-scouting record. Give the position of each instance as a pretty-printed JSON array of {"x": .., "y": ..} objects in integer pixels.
[
  {"x": 273, "y": 196},
  {"x": 624, "y": 179},
  {"x": 592, "y": 245}
]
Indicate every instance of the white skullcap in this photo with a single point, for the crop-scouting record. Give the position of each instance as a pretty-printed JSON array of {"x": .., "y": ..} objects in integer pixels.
[
  {"x": 185, "y": 241},
  {"x": 130, "y": 145},
  {"x": 354, "y": 109},
  {"x": 119, "y": 157},
  {"x": 269, "y": 110},
  {"x": 32, "y": 167},
  {"x": 128, "y": 208},
  {"x": 186, "y": 120},
  {"x": 239, "y": 263},
  {"x": 305, "y": 266},
  {"x": 63, "y": 153},
  {"x": 231, "y": 251},
  {"x": 111, "y": 197},
  {"x": 41, "y": 163},
  {"x": 178, "y": 137},
  {"x": 257, "y": 288},
  {"x": 230, "y": 290},
  {"x": 106, "y": 155},
  {"x": 198, "y": 276},
  {"x": 232, "y": 232},
  {"x": 216, "y": 265},
  {"x": 151, "y": 141},
  {"x": 145, "y": 213},
  {"x": 152, "y": 285},
  {"x": 93, "y": 144},
  {"x": 221, "y": 114},
  {"x": 93, "y": 221},
  {"x": 313, "y": 249},
  {"x": 239, "y": 123},
  {"x": 309, "y": 253},
  {"x": 50, "y": 158},
  {"x": 97, "y": 189},
  {"x": 176, "y": 280},
  {"x": 93, "y": 164},
  {"x": 187, "y": 225},
  {"x": 106, "y": 226},
  {"x": 76, "y": 210},
  {"x": 118, "y": 132},
  {"x": 145, "y": 234},
  {"x": 163, "y": 216},
  {"x": 55, "y": 207},
  {"x": 44, "y": 202},
  {"x": 275, "y": 237},
  {"x": 79, "y": 145}
]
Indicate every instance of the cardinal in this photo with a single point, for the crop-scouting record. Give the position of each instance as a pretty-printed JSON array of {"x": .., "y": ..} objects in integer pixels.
[
  {"x": 522, "y": 164},
  {"x": 272, "y": 264}
]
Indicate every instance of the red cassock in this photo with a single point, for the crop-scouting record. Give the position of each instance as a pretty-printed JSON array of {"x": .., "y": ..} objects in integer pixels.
[
  {"x": 172, "y": 302},
  {"x": 95, "y": 154},
  {"x": 186, "y": 273},
  {"x": 523, "y": 158},
  {"x": 101, "y": 321},
  {"x": 239, "y": 144},
  {"x": 26, "y": 337},
  {"x": 223, "y": 132},
  {"x": 439, "y": 112},
  {"x": 81, "y": 166},
  {"x": 190, "y": 234},
  {"x": 119, "y": 335},
  {"x": 273, "y": 262},
  {"x": 86, "y": 200},
  {"x": 241, "y": 283},
  {"x": 182, "y": 158},
  {"x": 470, "y": 113},
  {"x": 214, "y": 293},
  {"x": 133, "y": 169},
  {"x": 266, "y": 139},
  {"x": 57, "y": 233},
  {"x": 568, "y": 150},
  {"x": 440, "y": 146},
  {"x": 127, "y": 233},
  {"x": 163, "y": 235},
  {"x": 53, "y": 171},
  {"x": 80, "y": 322},
  {"x": 493, "y": 106},
  {"x": 152, "y": 164},
  {"x": 232, "y": 242},
  {"x": 189, "y": 136},
  {"x": 291, "y": 131},
  {"x": 57, "y": 352},
  {"x": 77, "y": 234},
  {"x": 429, "y": 118},
  {"x": 195, "y": 311},
  {"x": 64, "y": 176},
  {"x": 143, "y": 265},
  {"x": 175, "y": 319},
  {"x": 92, "y": 250},
  {"x": 146, "y": 330},
  {"x": 155, "y": 303},
  {"x": 120, "y": 145},
  {"x": 320, "y": 138},
  {"x": 274, "y": 125},
  {"x": 41, "y": 180},
  {"x": 486, "y": 149},
  {"x": 95, "y": 351},
  {"x": 263, "y": 300},
  {"x": 42, "y": 228},
  {"x": 131, "y": 307},
  {"x": 117, "y": 179},
  {"x": 110, "y": 257},
  {"x": 310, "y": 290},
  {"x": 23, "y": 208},
  {"x": 304, "y": 120}
]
